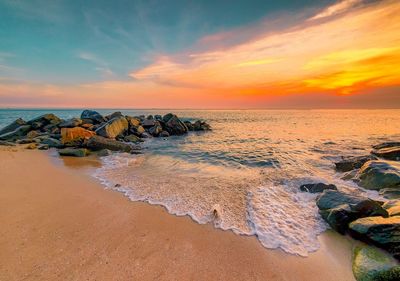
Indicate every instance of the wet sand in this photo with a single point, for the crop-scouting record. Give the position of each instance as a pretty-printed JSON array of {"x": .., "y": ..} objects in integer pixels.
[{"x": 58, "y": 223}]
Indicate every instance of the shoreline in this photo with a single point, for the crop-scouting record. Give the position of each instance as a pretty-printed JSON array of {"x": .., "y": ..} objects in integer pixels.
[{"x": 65, "y": 225}]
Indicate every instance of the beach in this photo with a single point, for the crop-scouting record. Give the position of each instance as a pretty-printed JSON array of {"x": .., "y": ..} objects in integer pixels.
[{"x": 58, "y": 223}]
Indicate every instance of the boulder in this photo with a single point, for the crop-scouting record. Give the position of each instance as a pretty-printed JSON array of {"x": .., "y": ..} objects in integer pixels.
[
  {"x": 164, "y": 134},
  {"x": 43, "y": 120},
  {"x": 99, "y": 143},
  {"x": 113, "y": 128},
  {"x": 114, "y": 114},
  {"x": 389, "y": 153},
  {"x": 25, "y": 141},
  {"x": 11, "y": 127},
  {"x": 392, "y": 207},
  {"x": 201, "y": 126},
  {"x": 32, "y": 134},
  {"x": 317, "y": 187},
  {"x": 386, "y": 144},
  {"x": 351, "y": 163},
  {"x": 104, "y": 152},
  {"x": 33, "y": 145},
  {"x": 92, "y": 115},
  {"x": 75, "y": 136},
  {"x": 155, "y": 130},
  {"x": 19, "y": 132},
  {"x": 189, "y": 125},
  {"x": 339, "y": 209},
  {"x": 379, "y": 174},
  {"x": 372, "y": 264},
  {"x": 6, "y": 143},
  {"x": 70, "y": 123},
  {"x": 147, "y": 123},
  {"x": 133, "y": 121},
  {"x": 87, "y": 126},
  {"x": 51, "y": 142},
  {"x": 390, "y": 193},
  {"x": 43, "y": 147},
  {"x": 158, "y": 117},
  {"x": 382, "y": 232},
  {"x": 173, "y": 125},
  {"x": 75, "y": 152},
  {"x": 133, "y": 138}
]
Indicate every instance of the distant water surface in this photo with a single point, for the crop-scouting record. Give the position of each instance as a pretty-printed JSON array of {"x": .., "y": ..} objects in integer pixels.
[{"x": 249, "y": 168}]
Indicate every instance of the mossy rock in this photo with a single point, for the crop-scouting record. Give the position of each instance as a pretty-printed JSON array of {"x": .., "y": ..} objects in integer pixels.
[{"x": 372, "y": 264}]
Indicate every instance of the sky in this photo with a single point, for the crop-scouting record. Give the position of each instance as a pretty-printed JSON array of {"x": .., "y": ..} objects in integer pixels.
[{"x": 200, "y": 54}]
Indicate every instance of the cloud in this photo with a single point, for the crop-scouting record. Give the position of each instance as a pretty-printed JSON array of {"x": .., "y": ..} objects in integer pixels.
[
  {"x": 337, "y": 8},
  {"x": 101, "y": 65}
]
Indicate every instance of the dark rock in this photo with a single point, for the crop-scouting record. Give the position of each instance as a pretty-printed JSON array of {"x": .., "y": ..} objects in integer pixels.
[
  {"x": 189, "y": 125},
  {"x": 99, "y": 143},
  {"x": 113, "y": 128},
  {"x": 75, "y": 136},
  {"x": 133, "y": 138},
  {"x": 43, "y": 147},
  {"x": 13, "y": 126},
  {"x": 382, "y": 232},
  {"x": 104, "y": 152},
  {"x": 52, "y": 142},
  {"x": 43, "y": 120},
  {"x": 150, "y": 117},
  {"x": 317, "y": 187},
  {"x": 164, "y": 134},
  {"x": 158, "y": 117},
  {"x": 6, "y": 143},
  {"x": 351, "y": 163},
  {"x": 389, "y": 153},
  {"x": 386, "y": 144},
  {"x": 25, "y": 141},
  {"x": 390, "y": 193},
  {"x": 113, "y": 115},
  {"x": 155, "y": 130},
  {"x": 339, "y": 209},
  {"x": 173, "y": 125},
  {"x": 145, "y": 135},
  {"x": 378, "y": 174},
  {"x": 372, "y": 264},
  {"x": 92, "y": 115},
  {"x": 148, "y": 123},
  {"x": 70, "y": 123},
  {"x": 19, "y": 132},
  {"x": 201, "y": 126},
  {"x": 75, "y": 152}
]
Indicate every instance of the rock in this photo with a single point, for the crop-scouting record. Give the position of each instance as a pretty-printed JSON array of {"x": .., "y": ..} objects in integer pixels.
[
  {"x": 113, "y": 128},
  {"x": 114, "y": 114},
  {"x": 140, "y": 130},
  {"x": 75, "y": 136},
  {"x": 372, "y": 264},
  {"x": 92, "y": 115},
  {"x": 99, "y": 143},
  {"x": 189, "y": 125},
  {"x": 133, "y": 121},
  {"x": 164, "y": 134},
  {"x": 145, "y": 135},
  {"x": 16, "y": 134},
  {"x": 75, "y": 152},
  {"x": 339, "y": 209},
  {"x": 13, "y": 126},
  {"x": 25, "y": 141},
  {"x": 382, "y": 232},
  {"x": 173, "y": 125},
  {"x": 43, "y": 120},
  {"x": 70, "y": 123},
  {"x": 158, "y": 117},
  {"x": 389, "y": 153},
  {"x": 133, "y": 138},
  {"x": 379, "y": 174},
  {"x": 51, "y": 142},
  {"x": 87, "y": 126},
  {"x": 43, "y": 147},
  {"x": 6, "y": 143},
  {"x": 349, "y": 175},
  {"x": 51, "y": 128},
  {"x": 351, "y": 163},
  {"x": 317, "y": 187},
  {"x": 155, "y": 130},
  {"x": 201, "y": 126},
  {"x": 392, "y": 207},
  {"x": 150, "y": 117},
  {"x": 32, "y": 146},
  {"x": 32, "y": 134},
  {"x": 147, "y": 123},
  {"x": 390, "y": 193},
  {"x": 386, "y": 144},
  {"x": 104, "y": 152}
]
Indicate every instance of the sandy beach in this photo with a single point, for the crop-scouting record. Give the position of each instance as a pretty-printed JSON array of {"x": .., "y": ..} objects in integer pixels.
[{"x": 58, "y": 223}]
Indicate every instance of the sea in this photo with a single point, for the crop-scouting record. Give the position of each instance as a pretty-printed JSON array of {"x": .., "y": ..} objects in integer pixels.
[{"x": 244, "y": 175}]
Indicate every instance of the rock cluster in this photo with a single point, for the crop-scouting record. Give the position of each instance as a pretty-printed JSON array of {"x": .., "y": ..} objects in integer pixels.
[
  {"x": 94, "y": 132},
  {"x": 375, "y": 222}
]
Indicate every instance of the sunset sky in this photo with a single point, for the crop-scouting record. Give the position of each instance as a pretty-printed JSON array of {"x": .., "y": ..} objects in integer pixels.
[{"x": 200, "y": 54}]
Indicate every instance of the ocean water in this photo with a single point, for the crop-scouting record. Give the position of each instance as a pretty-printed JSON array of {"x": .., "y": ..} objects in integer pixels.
[{"x": 248, "y": 168}]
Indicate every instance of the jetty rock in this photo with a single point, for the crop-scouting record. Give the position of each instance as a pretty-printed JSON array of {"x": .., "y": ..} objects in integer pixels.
[{"x": 379, "y": 174}]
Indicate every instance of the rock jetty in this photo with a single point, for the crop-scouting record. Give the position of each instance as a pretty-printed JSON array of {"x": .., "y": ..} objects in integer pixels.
[{"x": 93, "y": 132}]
